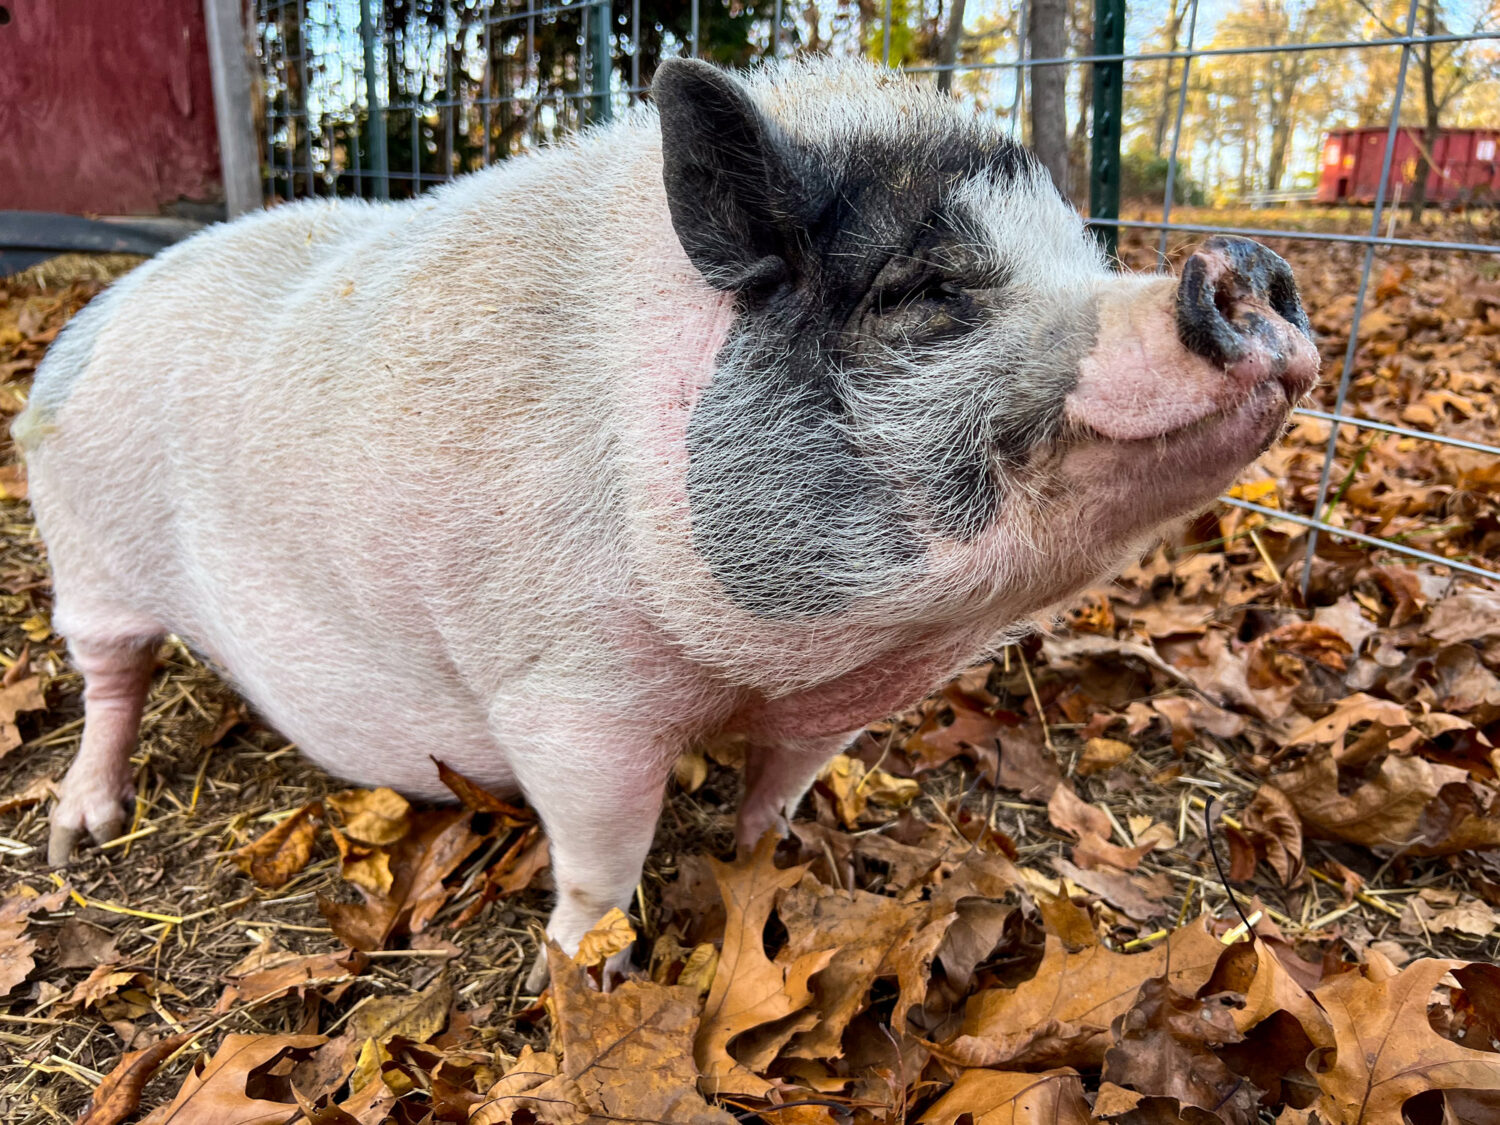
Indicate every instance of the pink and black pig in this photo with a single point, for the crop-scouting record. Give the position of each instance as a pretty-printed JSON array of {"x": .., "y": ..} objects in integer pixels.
[{"x": 763, "y": 410}]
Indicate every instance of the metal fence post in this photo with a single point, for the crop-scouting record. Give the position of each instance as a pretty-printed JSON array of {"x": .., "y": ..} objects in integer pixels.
[
  {"x": 234, "y": 116},
  {"x": 374, "y": 111},
  {"x": 600, "y": 59},
  {"x": 1109, "y": 86}
]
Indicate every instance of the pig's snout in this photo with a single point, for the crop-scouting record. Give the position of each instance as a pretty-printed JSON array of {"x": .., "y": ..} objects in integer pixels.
[{"x": 1238, "y": 301}]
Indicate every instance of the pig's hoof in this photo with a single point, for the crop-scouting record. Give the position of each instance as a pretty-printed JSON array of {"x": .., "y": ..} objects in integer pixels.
[
  {"x": 62, "y": 840},
  {"x": 69, "y": 823},
  {"x": 536, "y": 978},
  {"x": 60, "y": 844},
  {"x": 616, "y": 969}
]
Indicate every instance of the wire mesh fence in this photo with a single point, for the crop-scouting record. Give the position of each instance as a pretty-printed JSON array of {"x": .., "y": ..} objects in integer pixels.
[{"x": 386, "y": 98}]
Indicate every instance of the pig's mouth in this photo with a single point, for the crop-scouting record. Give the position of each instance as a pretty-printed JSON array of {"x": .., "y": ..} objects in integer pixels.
[{"x": 1251, "y": 422}]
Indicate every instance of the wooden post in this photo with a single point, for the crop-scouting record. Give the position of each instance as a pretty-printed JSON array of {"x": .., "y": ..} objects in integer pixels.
[{"x": 229, "y": 64}]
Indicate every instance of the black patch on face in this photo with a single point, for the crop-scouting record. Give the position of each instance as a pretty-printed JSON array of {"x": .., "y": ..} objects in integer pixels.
[
  {"x": 840, "y": 259},
  {"x": 792, "y": 521}
]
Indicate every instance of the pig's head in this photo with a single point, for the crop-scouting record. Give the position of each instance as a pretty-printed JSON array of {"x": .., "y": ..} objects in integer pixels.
[{"x": 932, "y": 379}]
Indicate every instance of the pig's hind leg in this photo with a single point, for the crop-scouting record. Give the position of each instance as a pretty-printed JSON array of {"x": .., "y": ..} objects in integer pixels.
[{"x": 116, "y": 678}]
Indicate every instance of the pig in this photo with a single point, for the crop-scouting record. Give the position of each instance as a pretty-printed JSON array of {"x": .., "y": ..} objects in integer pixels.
[{"x": 762, "y": 410}]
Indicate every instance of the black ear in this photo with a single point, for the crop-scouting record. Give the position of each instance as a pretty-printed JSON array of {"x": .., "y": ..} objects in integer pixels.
[{"x": 725, "y": 168}]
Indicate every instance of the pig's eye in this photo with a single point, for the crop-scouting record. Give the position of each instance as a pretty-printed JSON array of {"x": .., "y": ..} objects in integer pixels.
[{"x": 927, "y": 291}]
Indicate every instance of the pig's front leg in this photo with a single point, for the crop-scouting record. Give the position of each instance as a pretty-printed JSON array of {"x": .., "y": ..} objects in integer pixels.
[
  {"x": 777, "y": 776},
  {"x": 598, "y": 798}
]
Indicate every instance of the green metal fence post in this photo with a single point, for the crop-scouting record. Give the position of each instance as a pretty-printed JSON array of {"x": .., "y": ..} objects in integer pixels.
[
  {"x": 600, "y": 59},
  {"x": 374, "y": 112},
  {"x": 1109, "y": 82}
]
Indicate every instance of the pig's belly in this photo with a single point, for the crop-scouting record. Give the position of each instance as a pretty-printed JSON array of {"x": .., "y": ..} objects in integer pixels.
[{"x": 371, "y": 716}]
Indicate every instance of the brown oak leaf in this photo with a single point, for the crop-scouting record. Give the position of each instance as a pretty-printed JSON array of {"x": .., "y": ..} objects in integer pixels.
[
  {"x": 750, "y": 990},
  {"x": 628, "y": 1051},
  {"x": 994, "y": 1097},
  {"x": 216, "y": 1091},
  {"x": 1062, "y": 1015},
  {"x": 1385, "y": 1049}
]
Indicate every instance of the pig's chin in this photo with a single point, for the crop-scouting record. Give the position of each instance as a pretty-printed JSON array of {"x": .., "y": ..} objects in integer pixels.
[{"x": 1132, "y": 484}]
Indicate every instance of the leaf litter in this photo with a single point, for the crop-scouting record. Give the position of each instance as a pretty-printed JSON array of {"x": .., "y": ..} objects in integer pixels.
[{"x": 999, "y": 906}]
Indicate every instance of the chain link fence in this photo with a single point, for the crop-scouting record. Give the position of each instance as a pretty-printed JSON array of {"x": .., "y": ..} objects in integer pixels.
[{"x": 387, "y": 98}]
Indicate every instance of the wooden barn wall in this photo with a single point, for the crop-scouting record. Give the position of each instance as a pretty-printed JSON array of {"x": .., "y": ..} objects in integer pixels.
[{"x": 105, "y": 106}]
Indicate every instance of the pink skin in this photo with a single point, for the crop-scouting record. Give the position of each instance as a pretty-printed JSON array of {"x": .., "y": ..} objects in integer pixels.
[{"x": 1139, "y": 382}]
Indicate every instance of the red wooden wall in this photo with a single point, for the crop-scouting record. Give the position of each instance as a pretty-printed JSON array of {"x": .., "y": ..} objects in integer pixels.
[{"x": 105, "y": 106}]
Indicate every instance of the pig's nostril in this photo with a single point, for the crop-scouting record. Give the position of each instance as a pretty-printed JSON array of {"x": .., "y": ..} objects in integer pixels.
[
  {"x": 1284, "y": 300},
  {"x": 1224, "y": 295},
  {"x": 1206, "y": 298}
]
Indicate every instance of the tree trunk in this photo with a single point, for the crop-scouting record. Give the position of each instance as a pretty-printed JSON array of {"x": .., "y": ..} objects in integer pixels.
[
  {"x": 1078, "y": 148},
  {"x": 1283, "y": 119},
  {"x": 1430, "y": 126},
  {"x": 948, "y": 51},
  {"x": 1048, "y": 35},
  {"x": 1164, "y": 110}
]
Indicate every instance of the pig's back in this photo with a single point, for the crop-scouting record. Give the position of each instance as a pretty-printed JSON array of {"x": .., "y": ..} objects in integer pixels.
[{"x": 325, "y": 444}]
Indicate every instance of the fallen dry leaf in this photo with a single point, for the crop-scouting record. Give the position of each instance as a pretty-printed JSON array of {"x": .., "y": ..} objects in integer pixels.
[
  {"x": 1352, "y": 712},
  {"x": 372, "y": 816},
  {"x": 973, "y": 733},
  {"x": 1271, "y": 821},
  {"x": 119, "y": 1095},
  {"x": 1100, "y": 754},
  {"x": 1385, "y": 1049},
  {"x": 1137, "y": 897},
  {"x": 1467, "y": 615},
  {"x": 80, "y": 945},
  {"x": 266, "y": 973},
  {"x": 23, "y": 695},
  {"x": 215, "y": 1093},
  {"x": 525, "y": 859},
  {"x": 1092, "y": 827},
  {"x": 479, "y": 799},
  {"x": 432, "y": 843},
  {"x": 1187, "y": 715},
  {"x": 864, "y": 932},
  {"x": 416, "y": 1017},
  {"x": 854, "y": 787},
  {"x": 1390, "y": 808},
  {"x": 275, "y": 856},
  {"x": 749, "y": 990},
  {"x": 1062, "y": 1015},
  {"x": 533, "y": 1091},
  {"x": 611, "y": 934},
  {"x": 367, "y": 866},
  {"x": 36, "y": 791},
  {"x": 16, "y": 946},
  {"x": 1164, "y": 1051},
  {"x": 993, "y": 1097},
  {"x": 629, "y": 1051},
  {"x": 1434, "y": 911}
]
